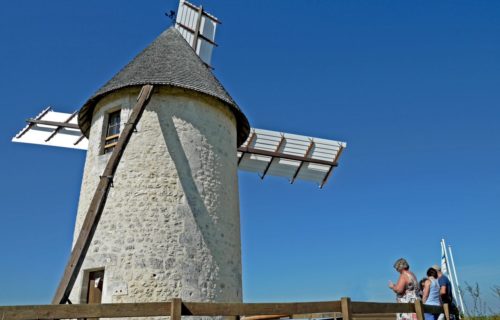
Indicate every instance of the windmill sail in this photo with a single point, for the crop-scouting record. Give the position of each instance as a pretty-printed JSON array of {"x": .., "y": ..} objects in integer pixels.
[
  {"x": 265, "y": 152},
  {"x": 198, "y": 28},
  {"x": 55, "y": 129}
]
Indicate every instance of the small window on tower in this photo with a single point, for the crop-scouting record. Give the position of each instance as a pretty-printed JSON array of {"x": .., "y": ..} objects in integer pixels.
[{"x": 112, "y": 131}]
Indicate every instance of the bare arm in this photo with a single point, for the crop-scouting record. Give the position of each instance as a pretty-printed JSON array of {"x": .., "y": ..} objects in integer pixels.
[
  {"x": 442, "y": 294},
  {"x": 400, "y": 286},
  {"x": 427, "y": 289}
]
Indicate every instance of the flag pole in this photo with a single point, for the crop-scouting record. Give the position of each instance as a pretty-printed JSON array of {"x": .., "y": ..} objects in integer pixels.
[
  {"x": 452, "y": 263},
  {"x": 448, "y": 270}
]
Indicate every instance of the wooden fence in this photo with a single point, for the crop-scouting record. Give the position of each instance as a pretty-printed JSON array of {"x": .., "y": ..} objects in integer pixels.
[{"x": 344, "y": 309}]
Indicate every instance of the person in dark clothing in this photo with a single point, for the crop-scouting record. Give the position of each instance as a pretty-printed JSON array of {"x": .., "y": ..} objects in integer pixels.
[
  {"x": 445, "y": 289},
  {"x": 446, "y": 292}
]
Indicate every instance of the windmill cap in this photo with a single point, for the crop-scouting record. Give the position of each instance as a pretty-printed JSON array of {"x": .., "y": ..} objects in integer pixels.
[
  {"x": 436, "y": 267},
  {"x": 168, "y": 61}
]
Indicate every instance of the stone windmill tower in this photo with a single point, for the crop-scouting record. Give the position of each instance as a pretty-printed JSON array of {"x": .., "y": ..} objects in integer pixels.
[
  {"x": 158, "y": 216},
  {"x": 175, "y": 202}
]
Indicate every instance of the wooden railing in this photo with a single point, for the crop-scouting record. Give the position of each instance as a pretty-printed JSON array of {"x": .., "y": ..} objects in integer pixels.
[{"x": 344, "y": 309}]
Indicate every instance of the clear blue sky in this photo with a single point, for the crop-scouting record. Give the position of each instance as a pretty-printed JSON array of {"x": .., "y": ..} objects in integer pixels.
[{"x": 411, "y": 86}]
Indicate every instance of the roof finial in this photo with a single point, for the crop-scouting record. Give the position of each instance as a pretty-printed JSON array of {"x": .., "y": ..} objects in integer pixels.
[{"x": 171, "y": 16}]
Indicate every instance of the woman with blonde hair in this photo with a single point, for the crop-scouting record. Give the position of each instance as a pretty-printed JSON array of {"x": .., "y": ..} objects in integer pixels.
[{"x": 406, "y": 288}]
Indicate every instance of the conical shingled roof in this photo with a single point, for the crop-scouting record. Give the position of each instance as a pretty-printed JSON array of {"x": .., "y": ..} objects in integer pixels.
[{"x": 168, "y": 61}]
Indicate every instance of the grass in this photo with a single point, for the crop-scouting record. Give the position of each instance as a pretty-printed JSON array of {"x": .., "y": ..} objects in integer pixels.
[{"x": 478, "y": 309}]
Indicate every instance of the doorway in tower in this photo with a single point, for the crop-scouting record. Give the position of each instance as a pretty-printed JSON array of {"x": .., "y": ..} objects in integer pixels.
[{"x": 95, "y": 285}]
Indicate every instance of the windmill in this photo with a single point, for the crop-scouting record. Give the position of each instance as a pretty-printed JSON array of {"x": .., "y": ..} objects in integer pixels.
[{"x": 158, "y": 215}]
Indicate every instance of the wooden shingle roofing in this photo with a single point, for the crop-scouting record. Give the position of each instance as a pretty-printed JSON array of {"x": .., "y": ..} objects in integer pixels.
[{"x": 168, "y": 61}]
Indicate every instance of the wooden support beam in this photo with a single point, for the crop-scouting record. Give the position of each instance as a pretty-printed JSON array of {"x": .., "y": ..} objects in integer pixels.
[
  {"x": 176, "y": 309},
  {"x": 328, "y": 174},
  {"x": 253, "y": 135},
  {"x": 378, "y": 307},
  {"x": 53, "y": 123},
  {"x": 79, "y": 140},
  {"x": 86, "y": 311},
  {"x": 282, "y": 140},
  {"x": 285, "y": 156},
  {"x": 346, "y": 308},
  {"x": 52, "y": 135},
  {"x": 31, "y": 124},
  {"x": 253, "y": 309},
  {"x": 188, "y": 29},
  {"x": 197, "y": 28},
  {"x": 99, "y": 200},
  {"x": 419, "y": 309},
  {"x": 192, "y": 6},
  {"x": 267, "y": 317},
  {"x": 306, "y": 156}
]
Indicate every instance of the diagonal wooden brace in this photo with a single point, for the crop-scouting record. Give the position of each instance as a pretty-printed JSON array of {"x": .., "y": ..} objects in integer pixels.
[{"x": 99, "y": 200}]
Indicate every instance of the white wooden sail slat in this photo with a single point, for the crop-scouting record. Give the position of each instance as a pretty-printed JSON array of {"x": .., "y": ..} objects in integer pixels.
[
  {"x": 189, "y": 22},
  {"x": 317, "y": 156},
  {"x": 265, "y": 152},
  {"x": 44, "y": 134}
]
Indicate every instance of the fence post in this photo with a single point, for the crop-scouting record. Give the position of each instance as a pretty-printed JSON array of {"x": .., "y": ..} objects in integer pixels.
[
  {"x": 175, "y": 309},
  {"x": 345, "y": 304},
  {"x": 446, "y": 308},
  {"x": 419, "y": 309}
]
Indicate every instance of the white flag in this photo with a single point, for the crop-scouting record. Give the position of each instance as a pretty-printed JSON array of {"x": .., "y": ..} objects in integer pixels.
[{"x": 444, "y": 263}]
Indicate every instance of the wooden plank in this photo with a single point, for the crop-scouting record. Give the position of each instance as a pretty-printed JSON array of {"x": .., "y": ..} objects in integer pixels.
[
  {"x": 329, "y": 173},
  {"x": 346, "y": 308},
  {"x": 251, "y": 309},
  {"x": 374, "y": 316},
  {"x": 176, "y": 309},
  {"x": 322, "y": 315},
  {"x": 99, "y": 200},
  {"x": 79, "y": 140},
  {"x": 53, "y": 134},
  {"x": 192, "y": 6},
  {"x": 73, "y": 311},
  {"x": 307, "y": 154},
  {"x": 419, "y": 309},
  {"x": 31, "y": 124},
  {"x": 188, "y": 29},
  {"x": 267, "y": 317},
  {"x": 250, "y": 141},
  {"x": 54, "y": 123},
  {"x": 282, "y": 140},
  {"x": 285, "y": 156},
  {"x": 197, "y": 28},
  {"x": 377, "y": 307}
]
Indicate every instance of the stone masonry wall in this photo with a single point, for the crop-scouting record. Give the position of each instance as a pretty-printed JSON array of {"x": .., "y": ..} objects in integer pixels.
[{"x": 171, "y": 225}]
